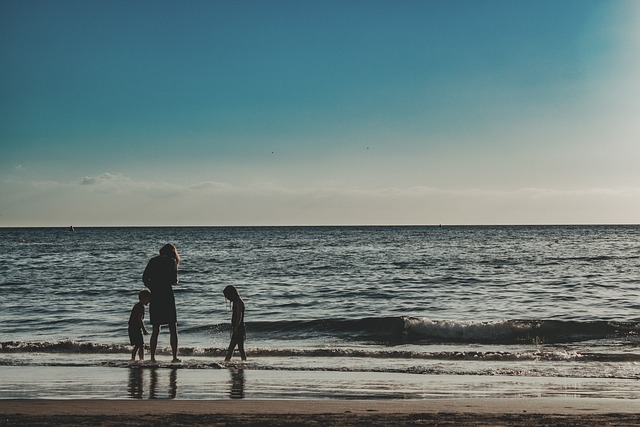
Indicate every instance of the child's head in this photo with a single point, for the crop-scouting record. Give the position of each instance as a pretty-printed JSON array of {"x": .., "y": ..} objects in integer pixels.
[
  {"x": 231, "y": 293},
  {"x": 144, "y": 297}
]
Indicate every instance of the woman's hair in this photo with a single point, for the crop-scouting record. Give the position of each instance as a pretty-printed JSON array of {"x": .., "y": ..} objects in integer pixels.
[
  {"x": 170, "y": 251},
  {"x": 230, "y": 293}
]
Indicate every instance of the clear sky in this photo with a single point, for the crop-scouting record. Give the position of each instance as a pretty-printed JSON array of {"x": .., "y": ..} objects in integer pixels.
[{"x": 319, "y": 112}]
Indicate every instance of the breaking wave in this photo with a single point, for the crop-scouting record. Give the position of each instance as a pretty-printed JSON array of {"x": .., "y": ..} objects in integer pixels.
[
  {"x": 516, "y": 331},
  {"x": 413, "y": 330}
]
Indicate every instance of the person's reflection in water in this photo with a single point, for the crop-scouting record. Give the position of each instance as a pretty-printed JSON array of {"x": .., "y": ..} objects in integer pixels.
[
  {"x": 236, "y": 383},
  {"x": 173, "y": 384},
  {"x": 135, "y": 383},
  {"x": 153, "y": 383}
]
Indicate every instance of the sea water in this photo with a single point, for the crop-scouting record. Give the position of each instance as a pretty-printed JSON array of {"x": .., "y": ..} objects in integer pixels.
[{"x": 555, "y": 302}]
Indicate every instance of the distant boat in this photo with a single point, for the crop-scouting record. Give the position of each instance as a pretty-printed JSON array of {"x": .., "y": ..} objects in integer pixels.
[{"x": 71, "y": 228}]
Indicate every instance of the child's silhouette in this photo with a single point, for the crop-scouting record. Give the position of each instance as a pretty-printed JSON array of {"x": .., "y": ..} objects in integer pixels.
[
  {"x": 136, "y": 325},
  {"x": 238, "y": 332}
]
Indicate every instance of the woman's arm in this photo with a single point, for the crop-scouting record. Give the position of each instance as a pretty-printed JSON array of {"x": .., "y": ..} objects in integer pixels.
[
  {"x": 146, "y": 276},
  {"x": 174, "y": 278}
]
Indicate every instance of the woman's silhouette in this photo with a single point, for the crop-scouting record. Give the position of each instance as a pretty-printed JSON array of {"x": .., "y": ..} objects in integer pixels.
[{"x": 160, "y": 276}]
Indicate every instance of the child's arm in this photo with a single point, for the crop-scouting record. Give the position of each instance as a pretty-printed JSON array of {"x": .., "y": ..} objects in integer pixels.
[{"x": 144, "y": 330}]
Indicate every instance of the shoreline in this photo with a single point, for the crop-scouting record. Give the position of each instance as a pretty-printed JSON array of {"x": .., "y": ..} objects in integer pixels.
[
  {"x": 564, "y": 405},
  {"x": 468, "y": 411}
]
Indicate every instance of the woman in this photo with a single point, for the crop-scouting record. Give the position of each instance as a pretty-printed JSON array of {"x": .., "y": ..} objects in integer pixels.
[{"x": 160, "y": 276}]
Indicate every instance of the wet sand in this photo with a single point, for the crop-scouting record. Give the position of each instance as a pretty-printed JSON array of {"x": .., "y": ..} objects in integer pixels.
[{"x": 444, "y": 412}]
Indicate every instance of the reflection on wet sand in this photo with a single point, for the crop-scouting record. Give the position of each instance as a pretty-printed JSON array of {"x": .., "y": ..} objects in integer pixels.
[
  {"x": 236, "y": 383},
  {"x": 135, "y": 388},
  {"x": 156, "y": 391},
  {"x": 161, "y": 383}
]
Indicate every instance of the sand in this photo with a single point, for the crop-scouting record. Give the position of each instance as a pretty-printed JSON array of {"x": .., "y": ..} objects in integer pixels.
[{"x": 443, "y": 412}]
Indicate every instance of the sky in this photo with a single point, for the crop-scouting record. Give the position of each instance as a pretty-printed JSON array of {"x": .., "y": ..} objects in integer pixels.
[{"x": 319, "y": 112}]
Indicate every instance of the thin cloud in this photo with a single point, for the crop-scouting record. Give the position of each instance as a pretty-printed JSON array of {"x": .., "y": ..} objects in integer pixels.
[
  {"x": 101, "y": 179},
  {"x": 211, "y": 186},
  {"x": 119, "y": 183}
]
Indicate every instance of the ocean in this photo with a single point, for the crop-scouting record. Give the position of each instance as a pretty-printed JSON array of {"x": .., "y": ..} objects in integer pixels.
[{"x": 355, "y": 312}]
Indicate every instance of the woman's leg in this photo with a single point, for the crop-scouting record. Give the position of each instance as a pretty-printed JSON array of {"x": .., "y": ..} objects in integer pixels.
[
  {"x": 173, "y": 329},
  {"x": 153, "y": 342}
]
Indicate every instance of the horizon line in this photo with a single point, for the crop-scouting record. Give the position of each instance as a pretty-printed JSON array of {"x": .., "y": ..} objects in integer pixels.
[{"x": 437, "y": 225}]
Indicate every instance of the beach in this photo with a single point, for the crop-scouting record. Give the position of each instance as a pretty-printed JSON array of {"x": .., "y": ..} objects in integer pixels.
[{"x": 474, "y": 412}]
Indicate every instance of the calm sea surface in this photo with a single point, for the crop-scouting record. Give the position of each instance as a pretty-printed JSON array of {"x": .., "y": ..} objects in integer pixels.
[{"x": 560, "y": 300}]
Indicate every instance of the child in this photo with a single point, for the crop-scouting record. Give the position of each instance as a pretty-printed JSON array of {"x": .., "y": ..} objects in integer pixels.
[
  {"x": 238, "y": 333},
  {"x": 136, "y": 325}
]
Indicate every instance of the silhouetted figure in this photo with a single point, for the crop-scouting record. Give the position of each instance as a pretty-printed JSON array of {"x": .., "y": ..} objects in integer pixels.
[
  {"x": 160, "y": 276},
  {"x": 136, "y": 325},
  {"x": 238, "y": 332}
]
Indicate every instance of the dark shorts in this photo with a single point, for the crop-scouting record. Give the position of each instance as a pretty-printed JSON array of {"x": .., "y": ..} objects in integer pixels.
[{"x": 135, "y": 336}]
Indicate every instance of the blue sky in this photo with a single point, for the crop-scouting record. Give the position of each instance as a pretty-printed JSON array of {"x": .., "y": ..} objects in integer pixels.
[{"x": 319, "y": 112}]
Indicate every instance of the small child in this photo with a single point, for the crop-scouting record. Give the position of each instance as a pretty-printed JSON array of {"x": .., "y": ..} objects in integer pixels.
[
  {"x": 136, "y": 325},
  {"x": 238, "y": 332}
]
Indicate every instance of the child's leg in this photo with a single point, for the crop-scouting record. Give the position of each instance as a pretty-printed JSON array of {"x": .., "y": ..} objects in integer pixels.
[
  {"x": 241, "y": 350},
  {"x": 232, "y": 346},
  {"x": 133, "y": 352},
  {"x": 141, "y": 352}
]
